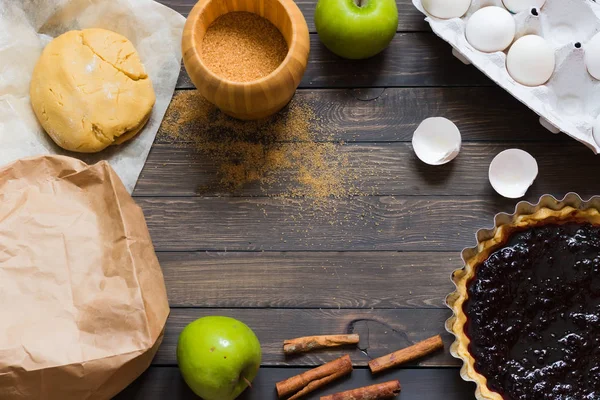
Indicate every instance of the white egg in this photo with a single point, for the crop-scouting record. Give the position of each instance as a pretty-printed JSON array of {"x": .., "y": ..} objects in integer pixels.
[
  {"x": 517, "y": 6},
  {"x": 491, "y": 29},
  {"x": 592, "y": 56},
  {"x": 436, "y": 141},
  {"x": 446, "y": 9},
  {"x": 531, "y": 60},
  {"x": 512, "y": 172}
]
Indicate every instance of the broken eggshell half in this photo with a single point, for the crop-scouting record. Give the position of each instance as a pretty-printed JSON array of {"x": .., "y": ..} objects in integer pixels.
[
  {"x": 436, "y": 141},
  {"x": 446, "y": 9},
  {"x": 491, "y": 29},
  {"x": 512, "y": 172},
  {"x": 517, "y": 6}
]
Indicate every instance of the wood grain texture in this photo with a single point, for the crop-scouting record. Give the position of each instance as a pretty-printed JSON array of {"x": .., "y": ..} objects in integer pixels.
[
  {"x": 382, "y": 169},
  {"x": 161, "y": 383},
  {"x": 388, "y": 254},
  {"x": 381, "y": 331},
  {"x": 409, "y": 18},
  {"x": 260, "y": 98},
  {"x": 309, "y": 279},
  {"x": 412, "y": 59},
  {"x": 359, "y": 224},
  {"x": 392, "y": 114}
]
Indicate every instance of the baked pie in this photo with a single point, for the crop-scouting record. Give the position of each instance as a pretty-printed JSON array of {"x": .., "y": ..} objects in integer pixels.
[{"x": 527, "y": 304}]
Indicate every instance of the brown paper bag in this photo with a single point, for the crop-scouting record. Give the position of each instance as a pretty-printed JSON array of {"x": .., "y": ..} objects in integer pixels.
[{"x": 83, "y": 303}]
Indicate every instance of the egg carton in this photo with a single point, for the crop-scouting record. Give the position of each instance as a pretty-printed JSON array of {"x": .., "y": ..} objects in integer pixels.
[{"x": 569, "y": 101}]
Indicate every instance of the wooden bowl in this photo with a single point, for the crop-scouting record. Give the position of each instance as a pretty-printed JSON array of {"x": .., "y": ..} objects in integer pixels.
[{"x": 255, "y": 99}]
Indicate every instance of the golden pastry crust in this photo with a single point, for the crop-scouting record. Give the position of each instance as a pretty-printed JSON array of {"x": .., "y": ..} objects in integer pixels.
[
  {"x": 547, "y": 211},
  {"x": 89, "y": 90}
]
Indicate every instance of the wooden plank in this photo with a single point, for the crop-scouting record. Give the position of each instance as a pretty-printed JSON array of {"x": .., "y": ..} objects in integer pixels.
[
  {"x": 382, "y": 332},
  {"x": 412, "y": 59},
  {"x": 378, "y": 114},
  {"x": 359, "y": 224},
  {"x": 409, "y": 18},
  {"x": 160, "y": 383},
  {"x": 380, "y": 169},
  {"x": 309, "y": 279}
]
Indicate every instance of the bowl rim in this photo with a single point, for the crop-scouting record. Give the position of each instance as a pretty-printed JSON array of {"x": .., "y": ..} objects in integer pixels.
[{"x": 290, "y": 8}]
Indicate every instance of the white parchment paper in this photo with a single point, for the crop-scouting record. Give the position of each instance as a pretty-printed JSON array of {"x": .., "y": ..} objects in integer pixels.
[{"x": 26, "y": 26}]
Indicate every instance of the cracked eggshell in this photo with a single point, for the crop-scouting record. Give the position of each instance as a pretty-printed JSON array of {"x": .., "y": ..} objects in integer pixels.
[
  {"x": 446, "y": 9},
  {"x": 517, "y": 6},
  {"x": 436, "y": 141},
  {"x": 491, "y": 29},
  {"x": 592, "y": 56},
  {"x": 512, "y": 172},
  {"x": 531, "y": 60}
]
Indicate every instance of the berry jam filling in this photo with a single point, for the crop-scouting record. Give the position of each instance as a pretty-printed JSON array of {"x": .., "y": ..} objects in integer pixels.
[{"x": 533, "y": 315}]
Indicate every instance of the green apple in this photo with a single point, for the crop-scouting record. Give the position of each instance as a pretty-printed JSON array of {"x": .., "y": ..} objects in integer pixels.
[
  {"x": 356, "y": 29},
  {"x": 218, "y": 357}
]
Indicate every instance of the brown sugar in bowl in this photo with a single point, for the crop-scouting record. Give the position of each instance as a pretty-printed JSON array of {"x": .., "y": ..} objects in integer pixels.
[{"x": 262, "y": 97}]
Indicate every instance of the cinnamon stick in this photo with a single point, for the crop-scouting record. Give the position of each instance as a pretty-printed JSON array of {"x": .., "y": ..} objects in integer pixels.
[
  {"x": 308, "y": 343},
  {"x": 299, "y": 385},
  {"x": 380, "y": 391},
  {"x": 405, "y": 355}
]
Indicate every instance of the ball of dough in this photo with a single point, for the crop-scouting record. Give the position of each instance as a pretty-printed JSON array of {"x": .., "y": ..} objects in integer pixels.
[{"x": 89, "y": 90}]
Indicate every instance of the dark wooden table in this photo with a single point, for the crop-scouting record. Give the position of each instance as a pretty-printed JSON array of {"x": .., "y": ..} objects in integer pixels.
[{"x": 385, "y": 278}]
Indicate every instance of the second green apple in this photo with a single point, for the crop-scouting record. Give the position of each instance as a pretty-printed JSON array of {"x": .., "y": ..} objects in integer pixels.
[
  {"x": 218, "y": 357},
  {"x": 356, "y": 29}
]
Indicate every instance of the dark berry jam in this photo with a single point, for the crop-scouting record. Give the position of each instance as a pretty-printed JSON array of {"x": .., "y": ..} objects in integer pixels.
[{"x": 533, "y": 315}]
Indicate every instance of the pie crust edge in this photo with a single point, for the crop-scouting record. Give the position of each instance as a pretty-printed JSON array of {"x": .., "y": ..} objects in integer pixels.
[{"x": 548, "y": 210}]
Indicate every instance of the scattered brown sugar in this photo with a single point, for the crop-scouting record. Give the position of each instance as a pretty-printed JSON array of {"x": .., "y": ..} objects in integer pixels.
[
  {"x": 282, "y": 152},
  {"x": 243, "y": 46}
]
